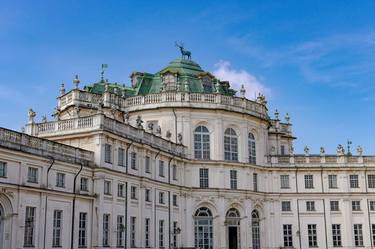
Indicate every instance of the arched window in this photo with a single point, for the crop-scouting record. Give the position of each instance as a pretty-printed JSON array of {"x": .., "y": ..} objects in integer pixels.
[
  {"x": 255, "y": 229},
  {"x": 201, "y": 143},
  {"x": 251, "y": 148},
  {"x": 203, "y": 230},
  {"x": 230, "y": 145},
  {"x": 2, "y": 217}
]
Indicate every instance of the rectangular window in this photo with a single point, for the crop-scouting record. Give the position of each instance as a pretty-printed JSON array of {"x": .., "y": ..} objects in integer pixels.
[
  {"x": 309, "y": 181},
  {"x": 373, "y": 233},
  {"x": 132, "y": 231},
  {"x": 288, "y": 235},
  {"x": 3, "y": 169},
  {"x": 56, "y": 230},
  {"x": 107, "y": 153},
  {"x": 311, "y": 232},
  {"x": 161, "y": 233},
  {"x": 356, "y": 205},
  {"x": 174, "y": 234},
  {"x": 147, "y": 195},
  {"x": 310, "y": 205},
  {"x": 60, "y": 180},
  {"x": 147, "y": 164},
  {"x": 354, "y": 181},
  {"x": 133, "y": 192},
  {"x": 120, "y": 230},
  {"x": 358, "y": 234},
  {"x": 161, "y": 197},
  {"x": 285, "y": 206},
  {"x": 107, "y": 187},
  {"x": 133, "y": 160},
  {"x": 255, "y": 182},
  {"x": 28, "y": 240},
  {"x": 233, "y": 179},
  {"x": 120, "y": 190},
  {"x": 84, "y": 184},
  {"x": 282, "y": 149},
  {"x": 336, "y": 235},
  {"x": 284, "y": 181},
  {"x": 371, "y": 181},
  {"x": 82, "y": 232},
  {"x": 174, "y": 172},
  {"x": 32, "y": 175},
  {"x": 332, "y": 181},
  {"x": 147, "y": 232},
  {"x": 121, "y": 157},
  {"x": 161, "y": 168},
  {"x": 203, "y": 178},
  {"x": 106, "y": 227},
  {"x": 372, "y": 205},
  {"x": 174, "y": 198},
  {"x": 334, "y": 205}
]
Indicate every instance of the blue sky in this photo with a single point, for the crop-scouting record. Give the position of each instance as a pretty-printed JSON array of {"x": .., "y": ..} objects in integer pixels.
[{"x": 315, "y": 60}]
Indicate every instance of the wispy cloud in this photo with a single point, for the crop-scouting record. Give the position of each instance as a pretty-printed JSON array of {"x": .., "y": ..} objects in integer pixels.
[
  {"x": 334, "y": 60},
  {"x": 237, "y": 78}
]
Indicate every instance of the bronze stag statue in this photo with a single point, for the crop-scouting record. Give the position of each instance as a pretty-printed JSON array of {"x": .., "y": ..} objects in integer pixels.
[{"x": 184, "y": 53}]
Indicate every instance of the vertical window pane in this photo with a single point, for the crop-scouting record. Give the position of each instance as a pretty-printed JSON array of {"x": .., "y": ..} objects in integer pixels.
[{"x": 201, "y": 143}]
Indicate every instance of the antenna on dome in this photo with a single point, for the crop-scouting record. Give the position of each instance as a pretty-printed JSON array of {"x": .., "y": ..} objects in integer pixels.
[{"x": 102, "y": 72}]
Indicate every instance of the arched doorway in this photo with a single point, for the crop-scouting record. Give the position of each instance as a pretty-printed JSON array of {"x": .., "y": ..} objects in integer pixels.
[
  {"x": 255, "y": 230},
  {"x": 203, "y": 231},
  {"x": 232, "y": 222}
]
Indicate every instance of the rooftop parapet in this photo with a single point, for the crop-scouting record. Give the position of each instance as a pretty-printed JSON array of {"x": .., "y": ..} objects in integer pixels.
[
  {"x": 99, "y": 122},
  {"x": 45, "y": 148},
  {"x": 83, "y": 98}
]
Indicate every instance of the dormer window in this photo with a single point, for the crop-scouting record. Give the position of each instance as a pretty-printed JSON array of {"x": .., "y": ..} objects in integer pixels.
[
  {"x": 206, "y": 85},
  {"x": 169, "y": 82}
]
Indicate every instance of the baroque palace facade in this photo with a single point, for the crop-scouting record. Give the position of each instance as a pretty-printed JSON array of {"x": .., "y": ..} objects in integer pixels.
[{"x": 176, "y": 160}]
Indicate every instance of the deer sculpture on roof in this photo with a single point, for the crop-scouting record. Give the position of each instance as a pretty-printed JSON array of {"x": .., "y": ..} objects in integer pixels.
[{"x": 184, "y": 53}]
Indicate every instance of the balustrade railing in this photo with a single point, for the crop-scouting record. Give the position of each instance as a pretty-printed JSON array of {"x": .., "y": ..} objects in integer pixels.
[
  {"x": 99, "y": 121},
  {"x": 323, "y": 160},
  {"x": 79, "y": 96},
  {"x": 45, "y": 148}
]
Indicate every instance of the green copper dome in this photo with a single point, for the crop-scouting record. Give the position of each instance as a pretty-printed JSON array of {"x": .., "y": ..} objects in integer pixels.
[{"x": 179, "y": 75}]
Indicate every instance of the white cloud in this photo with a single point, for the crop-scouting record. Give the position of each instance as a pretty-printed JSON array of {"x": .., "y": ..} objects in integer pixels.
[{"x": 236, "y": 78}]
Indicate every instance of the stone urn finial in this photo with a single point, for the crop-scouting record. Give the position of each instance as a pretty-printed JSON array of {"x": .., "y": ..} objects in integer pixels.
[
  {"x": 322, "y": 151},
  {"x": 123, "y": 92},
  {"x": 179, "y": 137},
  {"x": 150, "y": 126},
  {"x": 158, "y": 130},
  {"x": 168, "y": 135},
  {"x": 62, "y": 89},
  {"x": 139, "y": 122},
  {"x": 44, "y": 119},
  {"x": 306, "y": 150},
  {"x": 31, "y": 115},
  {"x": 217, "y": 85},
  {"x": 359, "y": 150},
  {"x": 115, "y": 89},
  {"x": 76, "y": 82},
  {"x": 242, "y": 91},
  {"x": 287, "y": 118},
  {"x": 276, "y": 115},
  {"x": 340, "y": 150}
]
